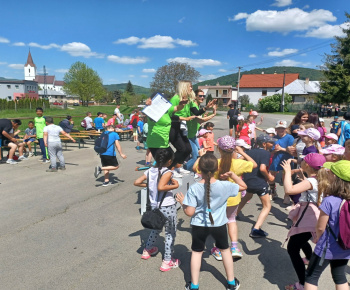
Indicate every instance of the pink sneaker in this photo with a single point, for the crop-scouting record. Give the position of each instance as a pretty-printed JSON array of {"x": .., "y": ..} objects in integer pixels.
[
  {"x": 306, "y": 261},
  {"x": 148, "y": 253},
  {"x": 168, "y": 265},
  {"x": 296, "y": 286}
]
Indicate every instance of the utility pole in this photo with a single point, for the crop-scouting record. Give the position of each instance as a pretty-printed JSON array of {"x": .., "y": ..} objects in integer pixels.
[
  {"x": 284, "y": 82},
  {"x": 45, "y": 85},
  {"x": 239, "y": 78}
]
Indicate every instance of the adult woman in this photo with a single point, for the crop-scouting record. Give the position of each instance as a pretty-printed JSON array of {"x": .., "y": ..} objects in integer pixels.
[
  {"x": 313, "y": 118},
  {"x": 300, "y": 118}
]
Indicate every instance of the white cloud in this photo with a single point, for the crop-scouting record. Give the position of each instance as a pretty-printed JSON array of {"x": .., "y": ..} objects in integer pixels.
[
  {"x": 287, "y": 20},
  {"x": 80, "y": 49},
  {"x": 182, "y": 19},
  {"x": 61, "y": 70},
  {"x": 149, "y": 70},
  {"x": 127, "y": 59},
  {"x": 157, "y": 41},
  {"x": 3, "y": 62},
  {"x": 194, "y": 52},
  {"x": 16, "y": 65},
  {"x": 239, "y": 16},
  {"x": 222, "y": 70},
  {"x": 4, "y": 40},
  {"x": 49, "y": 46},
  {"x": 290, "y": 62},
  {"x": 283, "y": 52},
  {"x": 327, "y": 31},
  {"x": 195, "y": 62},
  {"x": 19, "y": 44},
  {"x": 144, "y": 76},
  {"x": 207, "y": 77},
  {"x": 306, "y": 7},
  {"x": 252, "y": 55},
  {"x": 131, "y": 76},
  {"x": 282, "y": 3}
]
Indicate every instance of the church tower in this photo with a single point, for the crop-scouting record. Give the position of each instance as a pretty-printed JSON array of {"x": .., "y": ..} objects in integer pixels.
[{"x": 29, "y": 69}]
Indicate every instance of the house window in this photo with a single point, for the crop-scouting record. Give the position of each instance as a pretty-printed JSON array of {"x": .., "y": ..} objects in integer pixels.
[
  {"x": 10, "y": 98},
  {"x": 9, "y": 86},
  {"x": 224, "y": 92},
  {"x": 225, "y": 101},
  {"x": 217, "y": 93},
  {"x": 264, "y": 93},
  {"x": 17, "y": 87}
]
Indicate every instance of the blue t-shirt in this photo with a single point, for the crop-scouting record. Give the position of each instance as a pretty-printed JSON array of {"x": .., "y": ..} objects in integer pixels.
[
  {"x": 278, "y": 157},
  {"x": 140, "y": 125},
  {"x": 220, "y": 191},
  {"x": 98, "y": 123},
  {"x": 113, "y": 136}
]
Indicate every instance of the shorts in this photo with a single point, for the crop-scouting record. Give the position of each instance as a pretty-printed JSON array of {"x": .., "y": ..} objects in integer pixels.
[
  {"x": 232, "y": 123},
  {"x": 29, "y": 140},
  {"x": 231, "y": 213},
  {"x": 200, "y": 234},
  {"x": 259, "y": 191},
  {"x": 209, "y": 152},
  {"x": 108, "y": 160}
]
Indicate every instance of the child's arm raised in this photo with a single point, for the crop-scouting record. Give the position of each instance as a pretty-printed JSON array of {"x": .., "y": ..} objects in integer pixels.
[
  {"x": 164, "y": 180},
  {"x": 188, "y": 210},
  {"x": 289, "y": 188},
  {"x": 140, "y": 181},
  {"x": 246, "y": 156},
  {"x": 236, "y": 179}
]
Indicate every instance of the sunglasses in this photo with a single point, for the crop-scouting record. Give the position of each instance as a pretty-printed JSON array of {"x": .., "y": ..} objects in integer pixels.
[{"x": 201, "y": 96}]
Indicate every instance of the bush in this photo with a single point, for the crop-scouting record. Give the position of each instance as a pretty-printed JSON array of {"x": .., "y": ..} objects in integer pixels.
[{"x": 273, "y": 103}]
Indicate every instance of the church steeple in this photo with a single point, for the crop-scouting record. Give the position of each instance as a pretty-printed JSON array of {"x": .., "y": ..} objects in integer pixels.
[{"x": 29, "y": 68}]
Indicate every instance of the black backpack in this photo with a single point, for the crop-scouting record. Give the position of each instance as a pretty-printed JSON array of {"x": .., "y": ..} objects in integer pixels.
[
  {"x": 134, "y": 123},
  {"x": 101, "y": 143}
]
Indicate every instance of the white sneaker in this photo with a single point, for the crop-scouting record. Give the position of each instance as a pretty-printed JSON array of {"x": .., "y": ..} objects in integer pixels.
[
  {"x": 31, "y": 154},
  {"x": 22, "y": 158},
  {"x": 11, "y": 161},
  {"x": 180, "y": 170},
  {"x": 176, "y": 175}
]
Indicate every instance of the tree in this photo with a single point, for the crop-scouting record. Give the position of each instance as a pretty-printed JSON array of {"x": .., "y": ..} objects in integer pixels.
[
  {"x": 83, "y": 82},
  {"x": 244, "y": 100},
  {"x": 167, "y": 76},
  {"x": 336, "y": 86},
  {"x": 209, "y": 98},
  {"x": 129, "y": 88},
  {"x": 117, "y": 96},
  {"x": 273, "y": 103}
]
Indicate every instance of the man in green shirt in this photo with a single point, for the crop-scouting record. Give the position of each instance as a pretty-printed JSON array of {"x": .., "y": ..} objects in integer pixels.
[{"x": 40, "y": 123}]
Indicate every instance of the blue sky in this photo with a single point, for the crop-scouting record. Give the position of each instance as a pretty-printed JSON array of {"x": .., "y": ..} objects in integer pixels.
[{"x": 129, "y": 39}]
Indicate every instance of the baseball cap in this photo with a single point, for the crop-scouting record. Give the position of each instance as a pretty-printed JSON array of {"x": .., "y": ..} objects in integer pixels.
[
  {"x": 227, "y": 143},
  {"x": 264, "y": 138},
  {"x": 315, "y": 160},
  {"x": 311, "y": 132},
  {"x": 270, "y": 131},
  {"x": 242, "y": 143},
  {"x": 340, "y": 169},
  {"x": 254, "y": 113},
  {"x": 333, "y": 149},
  {"x": 321, "y": 119},
  {"x": 202, "y": 132},
  {"x": 281, "y": 124},
  {"x": 332, "y": 136},
  {"x": 336, "y": 117},
  {"x": 241, "y": 117}
]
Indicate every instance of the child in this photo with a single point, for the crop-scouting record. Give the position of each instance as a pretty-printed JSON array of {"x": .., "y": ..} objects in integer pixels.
[
  {"x": 108, "y": 159},
  {"x": 112, "y": 120},
  {"x": 139, "y": 132},
  {"x": 53, "y": 143},
  {"x": 133, "y": 121},
  {"x": 335, "y": 189},
  {"x": 323, "y": 126},
  {"x": 243, "y": 130},
  {"x": 309, "y": 137},
  {"x": 257, "y": 182},
  {"x": 252, "y": 126},
  {"x": 330, "y": 139},
  {"x": 304, "y": 215},
  {"x": 229, "y": 163},
  {"x": 271, "y": 132},
  {"x": 40, "y": 123},
  {"x": 205, "y": 202},
  {"x": 334, "y": 125},
  {"x": 29, "y": 137},
  {"x": 99, "y": 122},
  {"x": 161, "y": 182},
  {"x": 333, "y": 153},
  {"x": 209, "y": 140},
  {"x": 202, "y": 136}
]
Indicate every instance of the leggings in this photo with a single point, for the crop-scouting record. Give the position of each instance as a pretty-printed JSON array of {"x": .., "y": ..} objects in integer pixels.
[
  {"x": 296, "y": 243},
  {"x": 314, "y": 270},
  {"x": 170, "y": 213},
  {"x": 180, "y": 142}
]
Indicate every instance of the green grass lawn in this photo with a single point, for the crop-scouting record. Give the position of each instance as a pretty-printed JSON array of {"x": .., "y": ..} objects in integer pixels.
[{"x": 78, "y": 114}]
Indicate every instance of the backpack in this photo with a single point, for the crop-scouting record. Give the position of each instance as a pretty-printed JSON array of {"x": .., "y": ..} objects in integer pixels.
[
  {"x": 344, "y": 225},
  {"x": 101, "y": 143},
  {"x": 83, "y": 123},
  {"x": 345, "y": 132},
  {"x": 134, "y": 123}
]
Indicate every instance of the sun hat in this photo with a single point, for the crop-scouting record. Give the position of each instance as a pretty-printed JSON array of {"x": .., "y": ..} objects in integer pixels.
[
  {"x": 226, "y": 143},
  {"x": 321, "y": 120},
  {"x": 242, "y": 143},
  {"x": 202, "y": 132},
  {"x": 340, "y": 169},
  {"x": 264, "y": 138},
  {"x": 311, "y": 132},
  {"x": 241, "y": 117},
  {"x": 270, "y": 131},
  {"x": 281, "y": 124},
  {"x": 254, "y": 113},
  {"x": 332, "y": 136},
  {"x": 315, "y": 160},
  {"x": 333, "y": 149}
]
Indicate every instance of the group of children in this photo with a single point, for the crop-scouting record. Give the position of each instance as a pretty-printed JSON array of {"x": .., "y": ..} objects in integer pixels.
[{"x": 316, "y": 179}]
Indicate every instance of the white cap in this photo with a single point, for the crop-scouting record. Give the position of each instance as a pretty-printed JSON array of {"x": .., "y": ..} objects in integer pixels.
[
  {"x": 281, "y": 124},
  {"x": 321, "y": 119},
  {"x": 242, "y": 143},
  {"x": 270, "y": 131},
  {"x": 241, "y": 117}
]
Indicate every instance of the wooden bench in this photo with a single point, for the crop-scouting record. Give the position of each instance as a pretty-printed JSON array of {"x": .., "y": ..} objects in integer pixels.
[
  {"x": 36, "y": 142},
  {"x": 124, "y": 135}
]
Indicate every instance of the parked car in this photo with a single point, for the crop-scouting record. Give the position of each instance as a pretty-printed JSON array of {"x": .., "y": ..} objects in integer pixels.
[
  {"x": 58, "y": 103},
  {"x": 76, "y": 104}
]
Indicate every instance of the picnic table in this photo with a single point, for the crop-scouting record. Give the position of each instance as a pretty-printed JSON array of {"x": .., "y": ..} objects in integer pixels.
[{"x": 124, "y": 134}]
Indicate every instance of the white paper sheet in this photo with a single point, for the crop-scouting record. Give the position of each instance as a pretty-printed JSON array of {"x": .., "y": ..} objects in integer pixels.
[{"x": 158, "y": 108}]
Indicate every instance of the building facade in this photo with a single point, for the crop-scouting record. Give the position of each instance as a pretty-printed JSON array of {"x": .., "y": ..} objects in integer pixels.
[
  {"x": 17, "y": 89},
  {"x": 225, "y": 94}
]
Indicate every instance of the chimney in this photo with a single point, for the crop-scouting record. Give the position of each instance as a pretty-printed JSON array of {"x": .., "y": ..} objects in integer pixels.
[
  {"x": 262, "y": 72},
  {"x": 307, "y": 81},
  {"x": 217, "y": 84}
]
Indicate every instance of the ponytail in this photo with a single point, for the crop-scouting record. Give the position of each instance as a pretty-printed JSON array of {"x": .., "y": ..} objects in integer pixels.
[{"x": 207, "y": 193}]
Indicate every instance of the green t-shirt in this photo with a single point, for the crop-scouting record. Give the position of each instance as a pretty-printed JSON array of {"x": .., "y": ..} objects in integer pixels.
[
  {"x": 193, "y": 125},
  {"x": 185, "y": 112},
  {"x": 40, "y": 123},
  {"x": 158, "y": 132}
]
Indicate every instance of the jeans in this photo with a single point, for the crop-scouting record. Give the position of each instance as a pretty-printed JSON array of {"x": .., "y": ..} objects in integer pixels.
[
  {"x": 55, "y": 149},
  {"x": 194, "y": 155},
  {"x": 43, "y": 148}
]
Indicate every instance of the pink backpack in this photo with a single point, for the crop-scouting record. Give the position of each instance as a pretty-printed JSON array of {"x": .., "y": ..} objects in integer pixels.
[{"x": 344, "y": 225}]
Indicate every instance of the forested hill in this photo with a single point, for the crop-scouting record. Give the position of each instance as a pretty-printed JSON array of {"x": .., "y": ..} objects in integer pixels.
[
  {"x": 137, "y": 89},
  {"x": 312, "y": 74}
]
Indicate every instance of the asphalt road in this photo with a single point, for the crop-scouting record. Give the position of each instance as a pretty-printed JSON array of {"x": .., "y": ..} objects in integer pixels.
[{"x": 65, "y": 231}]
